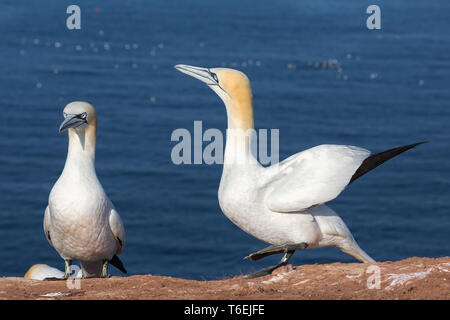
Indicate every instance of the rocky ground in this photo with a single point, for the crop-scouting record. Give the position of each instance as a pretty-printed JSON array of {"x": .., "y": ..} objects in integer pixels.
[{"x": 413, "y": 278}]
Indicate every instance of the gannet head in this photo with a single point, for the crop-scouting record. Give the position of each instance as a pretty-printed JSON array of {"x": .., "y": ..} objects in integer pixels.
[
  {"x": 229, "y": 84},
  {"x": 232, "y": 86},
  {"x": 78, "y": 116},
  {"x": 43, "y": 271}
]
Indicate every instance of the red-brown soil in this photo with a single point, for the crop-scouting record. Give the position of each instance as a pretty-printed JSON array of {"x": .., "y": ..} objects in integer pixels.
[{"x": 413, "y": 278}]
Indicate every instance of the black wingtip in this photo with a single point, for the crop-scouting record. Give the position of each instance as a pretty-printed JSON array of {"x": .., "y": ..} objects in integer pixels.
[
  {"x": 377, "y": 159},
  {"x": 416, "y": 144},
  {"x": 116, "y": 262}
]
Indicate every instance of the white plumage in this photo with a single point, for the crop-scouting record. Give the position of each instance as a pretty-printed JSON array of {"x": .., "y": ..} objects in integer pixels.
[
  {"x": 283, "y": 205},
  {"x": 80, "y": 221},
  {"x": 312, "y": 177}
]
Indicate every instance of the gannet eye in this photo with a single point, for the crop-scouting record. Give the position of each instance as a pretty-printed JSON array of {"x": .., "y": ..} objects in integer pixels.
[
  {"x": 65, "y": 115},
  {"x": 83, "y": 115},
  {"x": 215, "y": 77}
]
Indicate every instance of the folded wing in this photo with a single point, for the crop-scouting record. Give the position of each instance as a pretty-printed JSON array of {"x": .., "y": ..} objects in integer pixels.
[
  {"x": 117, "y": 229},
  {"x": 47, "y": 225},
  {"x": 313, "y": 177}
]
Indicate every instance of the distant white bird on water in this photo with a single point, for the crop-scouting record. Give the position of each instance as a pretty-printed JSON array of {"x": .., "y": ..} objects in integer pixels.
[
  {"x": 80, "y": 221},
  {"x": 283, "y": 205}
]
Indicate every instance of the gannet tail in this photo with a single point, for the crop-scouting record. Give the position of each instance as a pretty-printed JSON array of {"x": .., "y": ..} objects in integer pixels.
[
  {"x": 116, "y": 262},
  {"x": 376, "y": 159}
]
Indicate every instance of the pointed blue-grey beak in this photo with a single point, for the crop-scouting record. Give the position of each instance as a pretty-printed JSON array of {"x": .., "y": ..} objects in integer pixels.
[
  {"x": 203, "y": 74},
  {"x": 73, "y": 121}
]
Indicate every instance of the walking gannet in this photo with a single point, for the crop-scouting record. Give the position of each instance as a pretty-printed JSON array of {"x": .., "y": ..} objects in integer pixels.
[
  {"x": 80, "y": 221},
  {"x": 283, "y": 205}
]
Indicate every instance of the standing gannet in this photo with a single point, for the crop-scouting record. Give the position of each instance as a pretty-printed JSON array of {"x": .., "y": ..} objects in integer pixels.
[
  {"x": 283, "y": 205},
  {"x": 80, "y": 221}
]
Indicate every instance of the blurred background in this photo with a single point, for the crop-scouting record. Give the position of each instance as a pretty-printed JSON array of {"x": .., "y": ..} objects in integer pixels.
[{"x": 317, "y": 73}]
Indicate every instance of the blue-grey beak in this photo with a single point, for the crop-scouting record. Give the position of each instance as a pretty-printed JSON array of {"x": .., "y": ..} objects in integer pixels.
[
  {"x": 203, "y": 74},
  {"x": 73, "y": 121}
]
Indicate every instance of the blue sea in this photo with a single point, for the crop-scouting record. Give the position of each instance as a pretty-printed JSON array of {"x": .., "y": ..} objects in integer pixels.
[{"x": 318, "y": 75}]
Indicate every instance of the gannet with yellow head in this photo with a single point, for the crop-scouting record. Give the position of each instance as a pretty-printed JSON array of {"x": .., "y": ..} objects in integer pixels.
[
  {"x": 44, "y": 272},
  {"x": 283, "y": 204},
  {"x": 80, "y": 222}
]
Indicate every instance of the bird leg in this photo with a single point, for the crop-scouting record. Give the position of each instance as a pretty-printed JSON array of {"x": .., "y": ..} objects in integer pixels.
[
  {"x": 67, "y": 264},
  {"x": 269, "y": 270},
  {"x": 105, "y": 269},
  {"x": 270, "y": 250},
  {"x": 287, "y": 249}
]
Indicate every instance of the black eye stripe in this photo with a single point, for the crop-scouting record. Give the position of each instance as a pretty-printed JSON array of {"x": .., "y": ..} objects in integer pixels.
[
  {"x": 83, "y": 117},
  {"x": 214, "y": 76}
]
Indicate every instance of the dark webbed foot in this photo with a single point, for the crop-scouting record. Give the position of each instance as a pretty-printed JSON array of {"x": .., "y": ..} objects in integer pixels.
[
  {"x": 287, "y": 249},
  {"x": 275, "y": 249},
  {"x": 262, "y": 272}
]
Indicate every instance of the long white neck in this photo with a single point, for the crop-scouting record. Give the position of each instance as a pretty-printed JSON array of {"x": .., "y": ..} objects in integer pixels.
[
  {"x": 240, "y": 134},
  {"x": 81, "y": 152}
]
